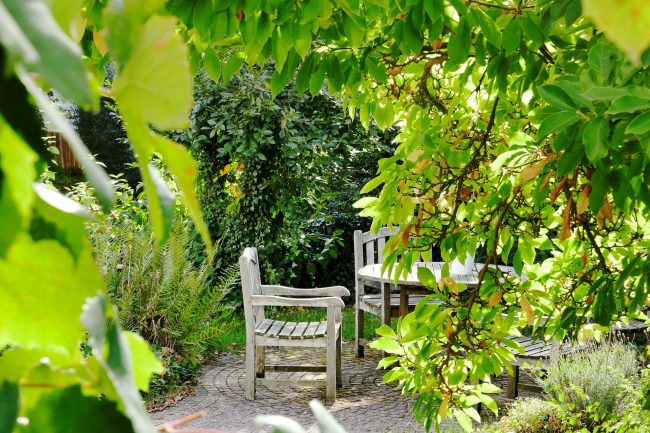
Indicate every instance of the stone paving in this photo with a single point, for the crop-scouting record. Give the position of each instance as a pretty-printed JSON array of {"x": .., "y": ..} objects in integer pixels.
[{"x": 363, "y": 405}]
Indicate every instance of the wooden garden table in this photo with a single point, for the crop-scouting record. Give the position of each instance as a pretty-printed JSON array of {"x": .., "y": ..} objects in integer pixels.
[{"x": 410, "y": 285}]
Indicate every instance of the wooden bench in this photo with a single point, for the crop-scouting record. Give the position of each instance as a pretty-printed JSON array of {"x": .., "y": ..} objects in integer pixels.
[{"x": 262, "y": 332}]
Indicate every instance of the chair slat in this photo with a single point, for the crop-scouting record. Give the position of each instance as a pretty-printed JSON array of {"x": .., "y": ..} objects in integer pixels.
[
  {"x": 287, "y": 329},
  {"x": 381, "y": 243},
  {"x": 370, "y": 253},
  {"x": 322, "y": 329},
  {"x": 299, "y": 330},
  {"x": 275, "y": 328},
  {"x": 263, "y": 327},
  {"x": 311, "y": 330}
]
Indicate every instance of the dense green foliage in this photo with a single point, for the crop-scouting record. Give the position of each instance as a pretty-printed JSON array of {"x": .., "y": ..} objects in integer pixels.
[
  {"x": 523, "y": 128},
  {"x": 281, "y": 174}
]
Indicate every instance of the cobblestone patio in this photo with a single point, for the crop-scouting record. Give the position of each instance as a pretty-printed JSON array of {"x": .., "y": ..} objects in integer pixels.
[{"x": 363, "y": 405}]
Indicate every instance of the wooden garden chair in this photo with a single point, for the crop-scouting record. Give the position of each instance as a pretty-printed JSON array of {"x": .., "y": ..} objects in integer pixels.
[{"x": 262, "y": 332}]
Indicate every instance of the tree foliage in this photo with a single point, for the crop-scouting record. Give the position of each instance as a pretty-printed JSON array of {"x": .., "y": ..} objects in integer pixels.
[{"x": 524, "y": 133}]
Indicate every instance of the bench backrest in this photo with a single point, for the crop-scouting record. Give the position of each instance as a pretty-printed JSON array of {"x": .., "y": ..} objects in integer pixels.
[{"x": 251, "y": 285}]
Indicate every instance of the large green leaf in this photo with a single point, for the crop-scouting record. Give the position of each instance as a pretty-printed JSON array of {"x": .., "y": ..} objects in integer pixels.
[
  {"x": 110, "y": 348},
  {"x": 155, "y": 86},
  {"x": 69, "y": 411},
  {"x": 609, "y": 15},
  {"x": 16, "y": 196},
  {"x": 557, "y": 122},
  {"x": 144, "y": 362},
  {"x": 595, "y": 138},
  {"x": 34, "y": 276},
  {"x": 640, "y": 124},
  {"x": 54, "y": 49},
  {"x": 183, "y": 167},
  {"x": 557, "y": 97}
]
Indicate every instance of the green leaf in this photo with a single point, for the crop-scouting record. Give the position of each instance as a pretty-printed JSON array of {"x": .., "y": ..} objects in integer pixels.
[
  {"x": 459, "y": 43},
  {"x": 184, "y": 169},
  {"x": 600, "y": 60},
  {"x": 16, "y": 196},
  {"x": 326, "y": 422},
  {"x": 604, "y": 305},
  {"x": 384, "y": 114},
  {"x": 69, "y": 411},
  {"x": 12, "y": 37},
  {"x": 280, "y": 424},
  {"x": 37, "y": 274},
  {"x": 512, "y": 36},
  {"x": 364, "y": 202},
  {"x": 202, "y": 16},
  {"x": 317, "y": 79},
  {"x": 427, "y": 277},
  {"x": 301, "y": 36},
  {"x": 464, "y": 420},
  {"x": 281, "y": 45},
  {"x": 526, "y": 249},
  {"x": 67, "y": 216},
  {"x": 155, "y": 86},
  {"x": 639, "y": 125},
  {"x": 280, "y": 79},
  {"x": 93, "y": 171},
  {"x": 376, "y": 69},
  {"x": 145, "y": 364},
  {"x": 532, "y": 30},
  {"x": 628, "y": 104},
  {"x": 595, "y": 138},
  {"x": 54, "y": 49},
  {"x": 9, "y": 405},
  {"x": 434, "y": 9},
  {"x": 353, "y": 32},
  {"x": 212, "y": 65},
  {"x": 232, "y": 66},
  {"x": 556, "y": 97},
  {"x": 570, "y": 159},
  {"x": 386, "y": 331},
  {"x": 557, "y": 122},
  {"x": 604, "y": 93},
  {"x": 387, "y": 345},
  {"x": 110, "y": 348},
  {"x": 489, "y": 27},
  {"x": 304, "y": 74}
]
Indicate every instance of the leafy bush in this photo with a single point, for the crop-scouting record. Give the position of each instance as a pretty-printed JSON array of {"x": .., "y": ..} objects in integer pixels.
[
  {"x": 158, "y": 291},
  {"x": 593, "y": 375},
  {"x": 531, "y": 415},
  {"x": 281, "y": 174}
]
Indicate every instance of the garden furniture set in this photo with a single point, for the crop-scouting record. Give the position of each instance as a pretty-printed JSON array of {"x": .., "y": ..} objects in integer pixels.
[{"x": 263, "y": 332}]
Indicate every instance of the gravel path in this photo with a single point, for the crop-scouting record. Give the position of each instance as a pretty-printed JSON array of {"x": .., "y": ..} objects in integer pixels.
[{"x": 363, "y": 405}]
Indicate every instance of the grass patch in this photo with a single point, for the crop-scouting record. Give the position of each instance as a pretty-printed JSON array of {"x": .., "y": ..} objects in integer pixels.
[{"x": 233, "y": 336}]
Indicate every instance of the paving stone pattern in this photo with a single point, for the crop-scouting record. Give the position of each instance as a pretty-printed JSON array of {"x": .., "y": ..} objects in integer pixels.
[{"x": 363, "y": 405}]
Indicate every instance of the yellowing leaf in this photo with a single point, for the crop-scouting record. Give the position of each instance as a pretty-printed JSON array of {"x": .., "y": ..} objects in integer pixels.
[
  {"x": 606, "y": 210},
  {"x": 444, "y": 407},
  {"x": 156, "y": 84},
  {"x": 532, "y": 171},
  {"x": 100, "y": 41},
  {"x": 625, "y": 22},
  {"x": 583, "y": 200},
  {"x": 566, "y": 222},
  {"x": 527, "y": 309},
  {"x": 495, "y": 298}
]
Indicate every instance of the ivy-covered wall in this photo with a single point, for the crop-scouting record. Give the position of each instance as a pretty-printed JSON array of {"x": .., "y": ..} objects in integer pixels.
[{"x": 281, "y": 174}]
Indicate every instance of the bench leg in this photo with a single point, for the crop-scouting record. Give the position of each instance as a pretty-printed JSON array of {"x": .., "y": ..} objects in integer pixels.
[
  {"x": 359, "y": 331},
  {"x": 339, "y": 353},
  {"x": 385, "y": 303},
  {"x": 513, "y": 382},
  {"x": 259, "y": 361},
  {"x": 249, "y": 393},
  {"x": 330, "y": 369}
]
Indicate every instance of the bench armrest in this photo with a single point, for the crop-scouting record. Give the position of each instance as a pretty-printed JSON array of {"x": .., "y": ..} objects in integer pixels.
[
  {"x": 279, "y": 301},
  {"x": 338, "y": 291}
]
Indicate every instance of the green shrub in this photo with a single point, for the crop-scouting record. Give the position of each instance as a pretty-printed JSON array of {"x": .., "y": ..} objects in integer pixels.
[
  {"x": 594, "y": 375},
  {"x": 531, "y": 415},
  {"x": 281, "y": 174},
  {"x": 159, "y": 292}
]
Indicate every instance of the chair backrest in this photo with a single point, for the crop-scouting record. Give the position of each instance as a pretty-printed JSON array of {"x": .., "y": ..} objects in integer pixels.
[
  {"x": 368, "y": 246},
  {"x": 251, "y": 285}
]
